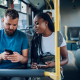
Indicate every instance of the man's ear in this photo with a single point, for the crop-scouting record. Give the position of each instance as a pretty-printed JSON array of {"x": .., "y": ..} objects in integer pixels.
[{"x": 3, "y": 19}]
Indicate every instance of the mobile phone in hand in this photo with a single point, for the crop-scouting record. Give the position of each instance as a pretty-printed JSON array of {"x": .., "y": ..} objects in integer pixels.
[
  {"x": 41, "y": 65},
  {"x": 9, "y": 51}
]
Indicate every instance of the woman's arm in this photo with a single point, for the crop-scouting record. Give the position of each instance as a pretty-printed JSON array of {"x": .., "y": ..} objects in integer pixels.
[{"x": 64, "y": 54}]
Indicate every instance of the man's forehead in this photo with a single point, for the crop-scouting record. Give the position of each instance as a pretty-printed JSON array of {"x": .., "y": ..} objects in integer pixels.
[{"x": 7, "y": 17}]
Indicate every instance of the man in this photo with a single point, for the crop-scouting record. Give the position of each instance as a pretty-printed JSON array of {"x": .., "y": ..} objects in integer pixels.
[
  {"x": 12, "y": 39},
  {"x": 50, "y": 14}
]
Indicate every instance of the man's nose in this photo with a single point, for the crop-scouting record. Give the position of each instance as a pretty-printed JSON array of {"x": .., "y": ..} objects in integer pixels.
[{"x": 11, "y": 27}]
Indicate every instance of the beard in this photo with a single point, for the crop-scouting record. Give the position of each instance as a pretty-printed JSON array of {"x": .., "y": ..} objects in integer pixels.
[{"x": 9, "y": 32}]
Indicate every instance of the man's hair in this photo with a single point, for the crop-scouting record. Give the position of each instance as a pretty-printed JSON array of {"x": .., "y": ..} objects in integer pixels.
[
  {"x": 12, "y": 13},
  {"x": 49, "y": 12}
]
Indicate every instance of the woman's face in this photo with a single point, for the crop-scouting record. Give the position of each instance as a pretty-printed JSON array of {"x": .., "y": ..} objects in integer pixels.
[{"x": 40, "y": 25}]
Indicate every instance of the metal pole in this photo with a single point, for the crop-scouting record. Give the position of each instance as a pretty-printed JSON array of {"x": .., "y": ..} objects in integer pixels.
[{"x": 57, "y": 49}]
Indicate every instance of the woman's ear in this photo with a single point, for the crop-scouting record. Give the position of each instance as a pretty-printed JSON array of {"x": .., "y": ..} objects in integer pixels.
[
  {"x": 46, "y": 22},
  {"x": 3, "y": 19}
]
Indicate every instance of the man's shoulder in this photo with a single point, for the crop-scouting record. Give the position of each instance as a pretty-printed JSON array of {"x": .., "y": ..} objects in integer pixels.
[
  {"x": 21, "y": 34},
  {"x": 1, "y": 31}
]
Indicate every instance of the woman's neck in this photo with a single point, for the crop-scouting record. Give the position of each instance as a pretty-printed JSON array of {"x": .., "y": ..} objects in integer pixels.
[{"x": 47, "y": 33}]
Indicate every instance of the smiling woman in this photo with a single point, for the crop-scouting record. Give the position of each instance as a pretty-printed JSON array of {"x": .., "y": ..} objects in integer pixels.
[
  {"x": 39, "y": 23},
  {"x": 41, "y": 26},
  {"x": 43, "y": 43}
]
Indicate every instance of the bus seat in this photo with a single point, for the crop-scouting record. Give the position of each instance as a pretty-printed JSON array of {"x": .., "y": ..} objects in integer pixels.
[
  {"x": 77, "y": 56},
  {"x": 70, "y": 70},
  {"x": 29, "y": 49},
  {"x": 29, "y": 32}
]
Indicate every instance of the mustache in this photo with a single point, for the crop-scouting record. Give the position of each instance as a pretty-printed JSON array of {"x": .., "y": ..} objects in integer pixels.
[{"x": 10, "y": 30}]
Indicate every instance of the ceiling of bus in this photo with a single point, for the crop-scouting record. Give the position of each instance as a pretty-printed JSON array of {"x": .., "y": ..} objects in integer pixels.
[{"x": 37, "y": 3}]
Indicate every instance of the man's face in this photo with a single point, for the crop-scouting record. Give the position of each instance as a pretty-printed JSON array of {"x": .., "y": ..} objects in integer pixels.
[{"x": 10, "y": 25}]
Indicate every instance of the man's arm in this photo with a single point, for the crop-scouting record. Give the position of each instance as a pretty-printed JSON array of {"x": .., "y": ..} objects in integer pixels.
[
  {"x": 16, "y": 57},
  {"x": 0, "y": 58},
  {"x": 24, "y": 56}
]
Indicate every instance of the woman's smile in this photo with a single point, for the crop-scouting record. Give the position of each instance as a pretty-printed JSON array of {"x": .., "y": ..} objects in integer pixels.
[{"x": 36, "y": 30}]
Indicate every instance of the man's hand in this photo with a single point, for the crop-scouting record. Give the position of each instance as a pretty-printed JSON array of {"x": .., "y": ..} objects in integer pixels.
[
  {"x": 15, "y": 57},
  {"x": 4, "y": 55}
]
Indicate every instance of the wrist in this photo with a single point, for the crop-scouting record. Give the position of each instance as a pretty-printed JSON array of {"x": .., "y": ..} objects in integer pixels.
[
  {"x": 1, "y": 57},
  {"x": 21, "y": 57}
]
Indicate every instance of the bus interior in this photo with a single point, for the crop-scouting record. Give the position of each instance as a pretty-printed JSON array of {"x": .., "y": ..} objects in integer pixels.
[{"x": 69, "y": 26}]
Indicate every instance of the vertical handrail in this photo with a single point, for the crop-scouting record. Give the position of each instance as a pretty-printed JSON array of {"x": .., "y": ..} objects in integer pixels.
[
  {"x": 57, "y": 49},
  {"x": 66, "y": 33}
]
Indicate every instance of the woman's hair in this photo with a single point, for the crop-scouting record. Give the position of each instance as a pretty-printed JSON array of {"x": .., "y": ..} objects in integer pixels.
[
  {"x": 49, "y": 13},
  {"x": 38, "y": 37},
  {"x": 46, "y": 17}
]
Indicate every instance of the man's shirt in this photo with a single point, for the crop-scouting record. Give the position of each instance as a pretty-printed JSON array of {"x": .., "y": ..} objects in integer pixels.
[{"x": 16, "y": 43}]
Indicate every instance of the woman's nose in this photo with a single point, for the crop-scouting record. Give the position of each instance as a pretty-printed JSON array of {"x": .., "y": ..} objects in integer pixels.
[{"x": 35, "y": 26}]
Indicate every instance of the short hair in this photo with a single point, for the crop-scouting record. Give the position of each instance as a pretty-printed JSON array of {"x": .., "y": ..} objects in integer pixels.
[
  {"x": 49, "y": 12},
  {"x": 12, "y": 13}
]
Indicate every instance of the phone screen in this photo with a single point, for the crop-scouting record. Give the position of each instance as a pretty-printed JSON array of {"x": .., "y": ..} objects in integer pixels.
[
  {"x": 10, "y": 51},
  {"x": 41, "y": 64}
]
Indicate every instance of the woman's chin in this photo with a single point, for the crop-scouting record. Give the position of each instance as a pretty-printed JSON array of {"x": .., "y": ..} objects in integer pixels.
[{"x": 37, "y": 33}]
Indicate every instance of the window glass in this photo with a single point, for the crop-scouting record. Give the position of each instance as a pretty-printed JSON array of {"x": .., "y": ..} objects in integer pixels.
[
  {"x": 3, "y": 3},
  {"x": 2, "y": 12},
  {"x": 22, "y": 23},
  {"x": 23, "y": 7},
  {"x": 17, "y": 5}
]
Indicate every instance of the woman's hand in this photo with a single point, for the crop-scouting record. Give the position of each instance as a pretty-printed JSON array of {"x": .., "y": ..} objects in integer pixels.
[
  {"x": 34, "y": 65},
  {"x": 48, "y": 64}
]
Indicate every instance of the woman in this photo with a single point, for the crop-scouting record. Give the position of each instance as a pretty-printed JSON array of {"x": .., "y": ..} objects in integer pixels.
[{"x": 43, "y": 42}]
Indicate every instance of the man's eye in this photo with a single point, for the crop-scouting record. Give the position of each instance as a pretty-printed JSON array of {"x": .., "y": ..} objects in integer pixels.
[
  {"x": 14, "y": 24},
  {"x": 8, "y": 24}
]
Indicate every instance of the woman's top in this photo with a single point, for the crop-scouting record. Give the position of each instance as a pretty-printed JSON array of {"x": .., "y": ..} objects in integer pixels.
[{"x": 48, "y": 44}]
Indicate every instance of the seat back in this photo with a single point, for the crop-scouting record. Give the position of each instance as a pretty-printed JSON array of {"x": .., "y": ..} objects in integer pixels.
[{"x": 73, "y": 33}]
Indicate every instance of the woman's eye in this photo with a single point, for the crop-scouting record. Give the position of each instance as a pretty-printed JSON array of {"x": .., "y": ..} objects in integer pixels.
[{"x": 37, "y": 23}]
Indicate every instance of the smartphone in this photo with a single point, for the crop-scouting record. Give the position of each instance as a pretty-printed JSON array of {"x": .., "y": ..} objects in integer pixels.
[
  {"x": 10, "y": 51},
  {"x": 41, "y": 65}
]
